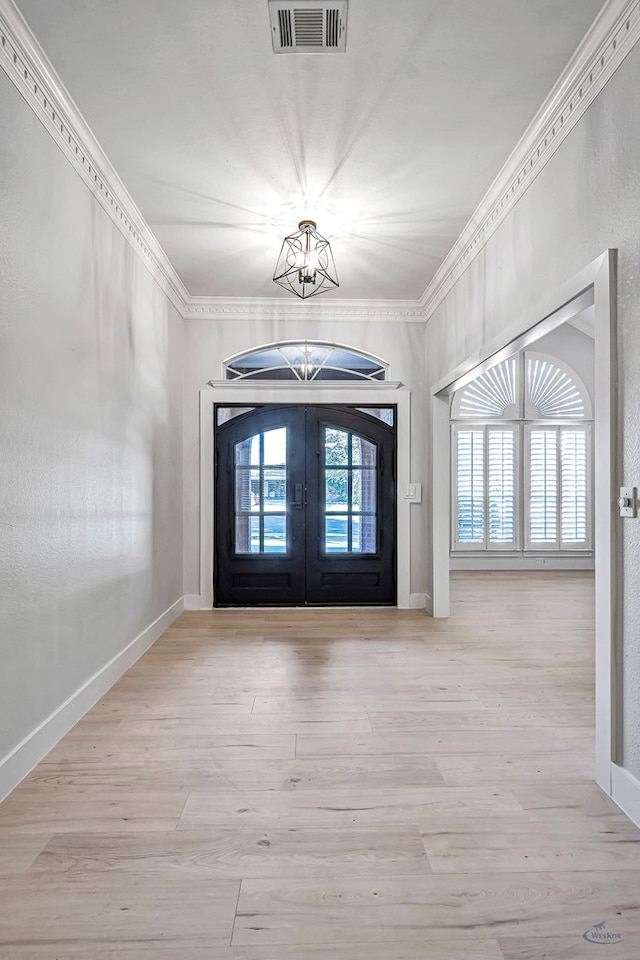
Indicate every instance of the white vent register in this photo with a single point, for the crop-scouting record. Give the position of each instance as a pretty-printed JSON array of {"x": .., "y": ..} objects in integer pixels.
[{"x": 308, "y": 26}]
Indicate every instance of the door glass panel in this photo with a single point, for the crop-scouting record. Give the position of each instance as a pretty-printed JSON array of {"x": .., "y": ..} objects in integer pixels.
[
  {"x": 275, "y": 489},
  {"x": 337, "y": 490},
  {"x": 247, "y": 534},
  {"x": 336, "y": 447},
  {"x": 248, "y": 451},
  {"x": 247, "y": 491},
  {"x": 260, "y": 493},
  {"x": 350, "y": 493},
  {"x": 364, "y": 534},
  {"x": 275, "y": 534},
  {"x": 363, "y": 452},
  {"x": 363, "y": 491},
  {"x": 275, "y": 447},
  {"x": 336, "y": 534}
]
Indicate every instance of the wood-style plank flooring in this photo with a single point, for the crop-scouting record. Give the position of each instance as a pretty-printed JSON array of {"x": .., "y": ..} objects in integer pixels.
[{"x": 334, "y": 785}]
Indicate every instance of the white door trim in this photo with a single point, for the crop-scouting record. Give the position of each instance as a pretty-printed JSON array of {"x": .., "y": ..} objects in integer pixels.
[
  {"x": 598, "y": 279},
  {"x": 247, "y": 395}
]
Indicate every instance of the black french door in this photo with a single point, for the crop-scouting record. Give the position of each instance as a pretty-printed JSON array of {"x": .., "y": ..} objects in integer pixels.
[{"x": 305, "y": 505}]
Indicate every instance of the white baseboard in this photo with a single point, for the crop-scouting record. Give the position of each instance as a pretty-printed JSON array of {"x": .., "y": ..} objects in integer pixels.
[
  {"x": 417, "y": 601},
  {"x": 193, "y": 601},
  {"x": 522, "y": 563},
  {"x": 30, "y": 751},
  {"x": 625, "y": 791},
  {"x": 428, "y": 603}
]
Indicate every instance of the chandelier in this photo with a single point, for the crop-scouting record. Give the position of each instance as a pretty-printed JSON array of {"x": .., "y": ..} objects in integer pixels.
[{"x": 305, "y": 265}]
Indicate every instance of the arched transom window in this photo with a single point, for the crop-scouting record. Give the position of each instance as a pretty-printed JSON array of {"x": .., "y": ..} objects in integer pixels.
[
  {"x": 521, "y": 459},
  {"x": 305, "y": 360}
]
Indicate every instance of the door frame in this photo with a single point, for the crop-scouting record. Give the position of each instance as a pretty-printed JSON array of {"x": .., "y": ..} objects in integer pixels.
[
  {"x": 600, "y": 278},
  {"x": 261, "y": 392}
]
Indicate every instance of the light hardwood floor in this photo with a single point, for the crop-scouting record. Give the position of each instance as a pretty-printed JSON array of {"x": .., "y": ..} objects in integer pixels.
[{"x": 333, "y": 785}]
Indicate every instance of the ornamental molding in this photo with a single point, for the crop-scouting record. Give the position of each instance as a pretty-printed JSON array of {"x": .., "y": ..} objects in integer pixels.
[
  {"x": 29, "y": 69},
  {"x": 605, "y": 46},
  {"x": 27, "y": 66},
  {"x": 613, "y": 34},
  {"x": 276, "y": 308}
]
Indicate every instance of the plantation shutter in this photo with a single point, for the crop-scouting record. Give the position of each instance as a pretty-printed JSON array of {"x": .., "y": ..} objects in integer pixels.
[
  {"x": 484, "y": 494},
  {"x": 543, "y": 487},
  {"x": 575, "y": 469},
  {"x": 558, "y": 486},
  {"x": 470, "y": 488},
  {"x": 501, "y": 483}
]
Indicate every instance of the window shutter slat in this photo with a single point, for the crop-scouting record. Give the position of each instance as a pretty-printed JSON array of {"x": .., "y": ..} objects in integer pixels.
[
  {"x": 543, "y": 486},
  {"x": 573, "y": 457},
  {"x": 501, "y": 483},
  {"x": 470, "y": 463}
]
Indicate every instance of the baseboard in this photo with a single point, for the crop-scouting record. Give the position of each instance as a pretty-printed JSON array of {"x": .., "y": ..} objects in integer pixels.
[
  {"x": 417, "y": 601},
  {"x": 193, "y": 601},
  {"x": 428, "y": 603},
  {"x": 30, "y": 751},
  {"x": 522, "y": 563},
  {"x": 625, "y": 791}
]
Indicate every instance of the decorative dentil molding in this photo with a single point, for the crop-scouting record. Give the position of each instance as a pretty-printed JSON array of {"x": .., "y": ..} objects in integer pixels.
[
  {"x": 276, "y": 308},
  {"x": 611, "y": 37}
]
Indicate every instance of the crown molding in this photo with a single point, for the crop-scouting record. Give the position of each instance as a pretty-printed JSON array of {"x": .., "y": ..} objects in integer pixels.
[
  {"x": 29, "y": 69},
  {"x": 277, "y": 308},
  {"x": 611, "y": 37}
]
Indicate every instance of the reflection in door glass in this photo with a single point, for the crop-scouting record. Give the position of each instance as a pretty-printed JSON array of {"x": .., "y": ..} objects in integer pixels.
[
  {"x": 260, "y": 493},
  {"x": 350, "y": 481}
]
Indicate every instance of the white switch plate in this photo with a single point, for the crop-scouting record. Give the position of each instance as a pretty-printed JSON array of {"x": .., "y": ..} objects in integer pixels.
[
  {"x": 628, "y": 502},
  {"x": 413, "y": 493}
]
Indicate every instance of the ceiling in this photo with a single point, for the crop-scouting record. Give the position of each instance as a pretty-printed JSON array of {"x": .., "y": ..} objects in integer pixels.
[{"x": 224, "y": 146}]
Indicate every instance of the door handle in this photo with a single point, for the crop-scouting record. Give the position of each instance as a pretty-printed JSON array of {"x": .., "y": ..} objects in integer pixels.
[{"x": 297, "y": 496}]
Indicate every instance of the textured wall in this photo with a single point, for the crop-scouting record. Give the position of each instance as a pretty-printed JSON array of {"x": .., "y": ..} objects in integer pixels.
[
  {"x": 574, "y": 348},
  {"x": 586, "y": 199},
  {"x": 90, "y": 423},
  {"x": 208, "y": 343}
]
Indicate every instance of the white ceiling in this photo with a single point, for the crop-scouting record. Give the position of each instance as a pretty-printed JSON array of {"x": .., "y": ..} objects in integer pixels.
[{"x": 225, "y": 146}]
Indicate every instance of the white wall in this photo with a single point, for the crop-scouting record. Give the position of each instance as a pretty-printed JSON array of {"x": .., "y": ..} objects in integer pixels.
[
  {"x": 90, "y": 424},
  {"x": 574, "y": 348},
  {"x": 209, "y": 342},
  {"x": 585, "y": 200}
]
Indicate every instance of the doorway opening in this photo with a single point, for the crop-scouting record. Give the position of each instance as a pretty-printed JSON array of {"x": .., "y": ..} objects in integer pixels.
[
  {"x": 305, "y": 505},
  {"x": 595, "y": 285}
]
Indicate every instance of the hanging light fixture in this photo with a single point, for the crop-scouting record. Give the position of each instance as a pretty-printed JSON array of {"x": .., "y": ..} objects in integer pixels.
[{"x": 305, "y": 265}]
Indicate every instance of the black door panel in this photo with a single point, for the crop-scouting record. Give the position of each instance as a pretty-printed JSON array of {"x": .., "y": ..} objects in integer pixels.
[{"x": 305, "y": 508}]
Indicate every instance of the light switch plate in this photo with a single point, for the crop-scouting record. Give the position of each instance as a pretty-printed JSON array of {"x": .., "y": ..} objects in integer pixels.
[
  {"x": 413, "y": 493},
  {"x": 628, "y": 502}
]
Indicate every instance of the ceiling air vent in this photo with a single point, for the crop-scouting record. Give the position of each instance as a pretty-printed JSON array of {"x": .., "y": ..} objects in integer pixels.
[{"x": 308, "y": 26}]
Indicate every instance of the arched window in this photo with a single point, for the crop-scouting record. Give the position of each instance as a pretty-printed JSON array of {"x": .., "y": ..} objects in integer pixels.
[
  {"x": 522, "y": 469},
  {"x": 305, "y": 360},
  {"x": 530, "y": 386}
]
